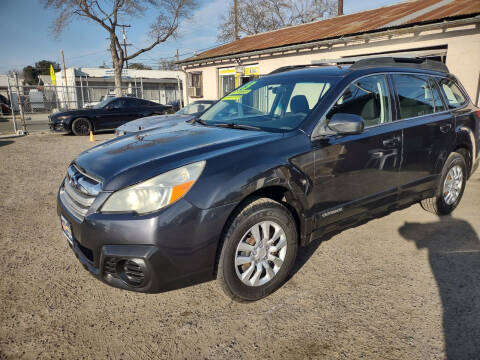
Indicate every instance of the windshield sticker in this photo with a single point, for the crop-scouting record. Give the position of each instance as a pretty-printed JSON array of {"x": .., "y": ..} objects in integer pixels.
[
  {"x": 233, "y": 97},
  {"x": 240, "y": 91}
]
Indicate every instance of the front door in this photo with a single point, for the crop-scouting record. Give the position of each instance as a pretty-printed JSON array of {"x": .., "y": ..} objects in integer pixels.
[
  {"x": 355, "y": 174},
  {"x": 120, "y": 111}
]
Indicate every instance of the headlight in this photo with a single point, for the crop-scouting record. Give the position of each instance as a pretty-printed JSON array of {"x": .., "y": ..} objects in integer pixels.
[
  {"x": 155, "y": 193},
  {"x": 64, "y": 117}
]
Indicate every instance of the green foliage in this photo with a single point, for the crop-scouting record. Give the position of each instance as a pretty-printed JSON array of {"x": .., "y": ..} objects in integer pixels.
[
  {"x": 139, "y": 66},
  {"x": 30, "y": 75},
  {"x": 42, "y": 67}
]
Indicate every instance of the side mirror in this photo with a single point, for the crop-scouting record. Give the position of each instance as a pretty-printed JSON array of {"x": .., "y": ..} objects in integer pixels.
[
  {"x": 108, "y": 107},
  {"x": 346, "y": 124}
]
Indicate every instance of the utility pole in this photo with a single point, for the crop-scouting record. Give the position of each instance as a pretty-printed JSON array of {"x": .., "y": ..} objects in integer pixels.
[
  {"x": 11, "y": 104},
  {"x": 65, "y": 80},
  {"x": 125, "y": 42},
  {"x": 340, "y": 8},
  {"x": 235, "y": 20},
  {"x": 180, "y": 92},
  {"x": 20, "y": 101}
]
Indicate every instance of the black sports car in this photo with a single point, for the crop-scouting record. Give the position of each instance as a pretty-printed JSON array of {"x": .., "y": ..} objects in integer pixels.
[{"x": 108, "y": 114}]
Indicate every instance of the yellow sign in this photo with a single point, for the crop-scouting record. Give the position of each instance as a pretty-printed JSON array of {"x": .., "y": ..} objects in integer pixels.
[{"x": 52, "y": 75}]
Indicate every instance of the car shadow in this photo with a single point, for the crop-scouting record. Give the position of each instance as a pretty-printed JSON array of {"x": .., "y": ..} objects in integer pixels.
[
  {"x": 5, "y": 142},
  {"x": 306, "y": 252},
  {"x": 454, "y": 255}
]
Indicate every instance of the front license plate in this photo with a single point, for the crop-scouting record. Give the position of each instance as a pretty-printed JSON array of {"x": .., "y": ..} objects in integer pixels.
[{"x": 67, "y": 230}]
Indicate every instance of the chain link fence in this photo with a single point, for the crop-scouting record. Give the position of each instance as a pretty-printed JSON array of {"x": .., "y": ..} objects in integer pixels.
[
  {"x": 27, "y": 102},
  {"x": 47, "y": 99}
]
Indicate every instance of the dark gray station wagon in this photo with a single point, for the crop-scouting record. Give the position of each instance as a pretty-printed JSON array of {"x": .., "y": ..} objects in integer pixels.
[{"x": 275, "y": 164}]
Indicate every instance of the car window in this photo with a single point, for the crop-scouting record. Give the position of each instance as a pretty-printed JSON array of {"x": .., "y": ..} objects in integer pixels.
[
  {"x": 414, "y": 95},
  {"x": 453, "y": 94},
  {"x": 437, "y": 98},
  {"x": 118, "y": 104},
  {"x": 277, "y": 103},
  {"x": 367, "y": 97},
  {"x": 142, "y": 102},
  {"x": 311, "y": 91},
  {"x": 194, "y": 108}
]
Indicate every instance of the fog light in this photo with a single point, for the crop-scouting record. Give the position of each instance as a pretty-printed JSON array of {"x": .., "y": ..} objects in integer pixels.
[{"x": 132, "y": 271}]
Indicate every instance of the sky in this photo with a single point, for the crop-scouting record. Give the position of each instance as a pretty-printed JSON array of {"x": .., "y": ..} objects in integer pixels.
[{"x": 27, "y": 38}]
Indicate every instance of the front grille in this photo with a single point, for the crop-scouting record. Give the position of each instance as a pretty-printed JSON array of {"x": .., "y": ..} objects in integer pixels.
[
  {"x": 110, "y": 266},
  {"x": 128, "y": 270},
  {"x": 133, "y": 273},
  {"x": 78, "y": 192}
]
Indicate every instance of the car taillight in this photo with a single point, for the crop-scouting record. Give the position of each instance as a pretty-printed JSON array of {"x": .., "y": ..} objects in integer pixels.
[{"x": 478, "y": 114}]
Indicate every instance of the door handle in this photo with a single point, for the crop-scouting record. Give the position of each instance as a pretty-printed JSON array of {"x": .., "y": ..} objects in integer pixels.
[
  {"x": 445, "y": 128},
  {"x": 392, "y": 142}
]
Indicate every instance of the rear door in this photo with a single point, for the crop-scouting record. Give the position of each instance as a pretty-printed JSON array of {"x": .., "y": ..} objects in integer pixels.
[
  {"x": 428, "y": 132},
  {"x": 357, "y": 174}
]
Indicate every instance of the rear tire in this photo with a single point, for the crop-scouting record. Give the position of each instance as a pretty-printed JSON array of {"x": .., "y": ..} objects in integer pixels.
[
  {"x": 259, "y": 250},
  {"x": 450, "y": 188},
  {"x": 81, "y": 127}
]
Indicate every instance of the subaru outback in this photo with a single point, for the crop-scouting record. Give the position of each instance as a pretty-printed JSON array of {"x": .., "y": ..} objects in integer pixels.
[{"x": 275, "y": 164}]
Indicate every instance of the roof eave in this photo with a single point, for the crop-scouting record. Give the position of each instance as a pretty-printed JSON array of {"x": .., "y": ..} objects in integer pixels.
[{"x": 419, "y": 26}]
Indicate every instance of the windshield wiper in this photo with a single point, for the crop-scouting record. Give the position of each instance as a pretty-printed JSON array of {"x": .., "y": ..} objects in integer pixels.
[
  {"x": 197, "y": 120},
  {"x": 237, "y": 126}
]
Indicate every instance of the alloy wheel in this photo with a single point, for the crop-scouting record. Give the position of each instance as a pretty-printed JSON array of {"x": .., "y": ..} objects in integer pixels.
[
  {"x": 452, "y": 185},
  {"x": 260, "y": 253}
]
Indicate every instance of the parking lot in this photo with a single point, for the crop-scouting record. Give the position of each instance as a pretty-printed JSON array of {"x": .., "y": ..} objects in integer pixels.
[{"x": 403, "y": 286}]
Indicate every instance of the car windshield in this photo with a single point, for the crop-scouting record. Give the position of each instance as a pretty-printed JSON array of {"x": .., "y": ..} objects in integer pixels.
[
  {"x": 103, "y": 103},
  {"x": 272, "y": 103},
  {"x": 194, "y": 108}
]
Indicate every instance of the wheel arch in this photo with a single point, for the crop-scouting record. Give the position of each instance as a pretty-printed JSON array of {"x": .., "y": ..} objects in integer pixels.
[
  {"x": 465, "y": 142},
  {"x": 278, "y": 193},
  {"x": 83, "y": 117}
]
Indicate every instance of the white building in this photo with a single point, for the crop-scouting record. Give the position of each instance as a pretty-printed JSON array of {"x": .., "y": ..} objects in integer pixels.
[
  {"x": 89, "y": 85},
  {"x": 445, "y": 30}
]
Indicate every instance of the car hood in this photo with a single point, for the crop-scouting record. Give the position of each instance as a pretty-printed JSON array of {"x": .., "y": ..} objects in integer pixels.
[
  {"x": 130, "y": 159},
  {"x": 159, "y": 121}
]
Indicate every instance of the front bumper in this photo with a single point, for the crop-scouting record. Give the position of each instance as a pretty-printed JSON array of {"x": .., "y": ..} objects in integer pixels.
[
  {"x": 175, "y": 247},
  {"x": 57, "y": 126}
]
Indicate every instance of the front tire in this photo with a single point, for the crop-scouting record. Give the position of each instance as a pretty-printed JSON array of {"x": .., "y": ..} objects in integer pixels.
[
  {"x": 450, "y": 188},
  {"x": 259, "y": 250},
  {"x": 81, "y": 127}
]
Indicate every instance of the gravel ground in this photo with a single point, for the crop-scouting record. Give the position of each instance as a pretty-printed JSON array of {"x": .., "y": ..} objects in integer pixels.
[{"x": 402, "y": 287}]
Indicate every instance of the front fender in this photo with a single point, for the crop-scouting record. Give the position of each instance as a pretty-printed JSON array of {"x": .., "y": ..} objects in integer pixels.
[{"x": 283, "y": 166}]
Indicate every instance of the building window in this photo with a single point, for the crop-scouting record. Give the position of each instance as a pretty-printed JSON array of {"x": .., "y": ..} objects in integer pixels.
[
  {"x": 231, "y": 78},
  {"x": 195, "y": 84},
  {"x": 227, "y": 84}
]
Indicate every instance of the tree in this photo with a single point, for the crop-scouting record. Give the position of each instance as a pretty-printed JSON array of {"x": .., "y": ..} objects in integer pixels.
[
  {"x": 256, "y": 16},
  {"x": 139, "y": 66},
  {"x": 42, "y": 67},
  {"x": 165, "y": 64},
  {"x": 30, "y": 75},
  {"x": 110, "y": 14}
]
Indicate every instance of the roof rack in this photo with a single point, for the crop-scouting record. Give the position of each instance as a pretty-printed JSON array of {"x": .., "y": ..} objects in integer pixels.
[
  {"x": 405, "y": 62},
  {"x": 291, "y": 67},
  {"x": 362, "y": 62}
]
